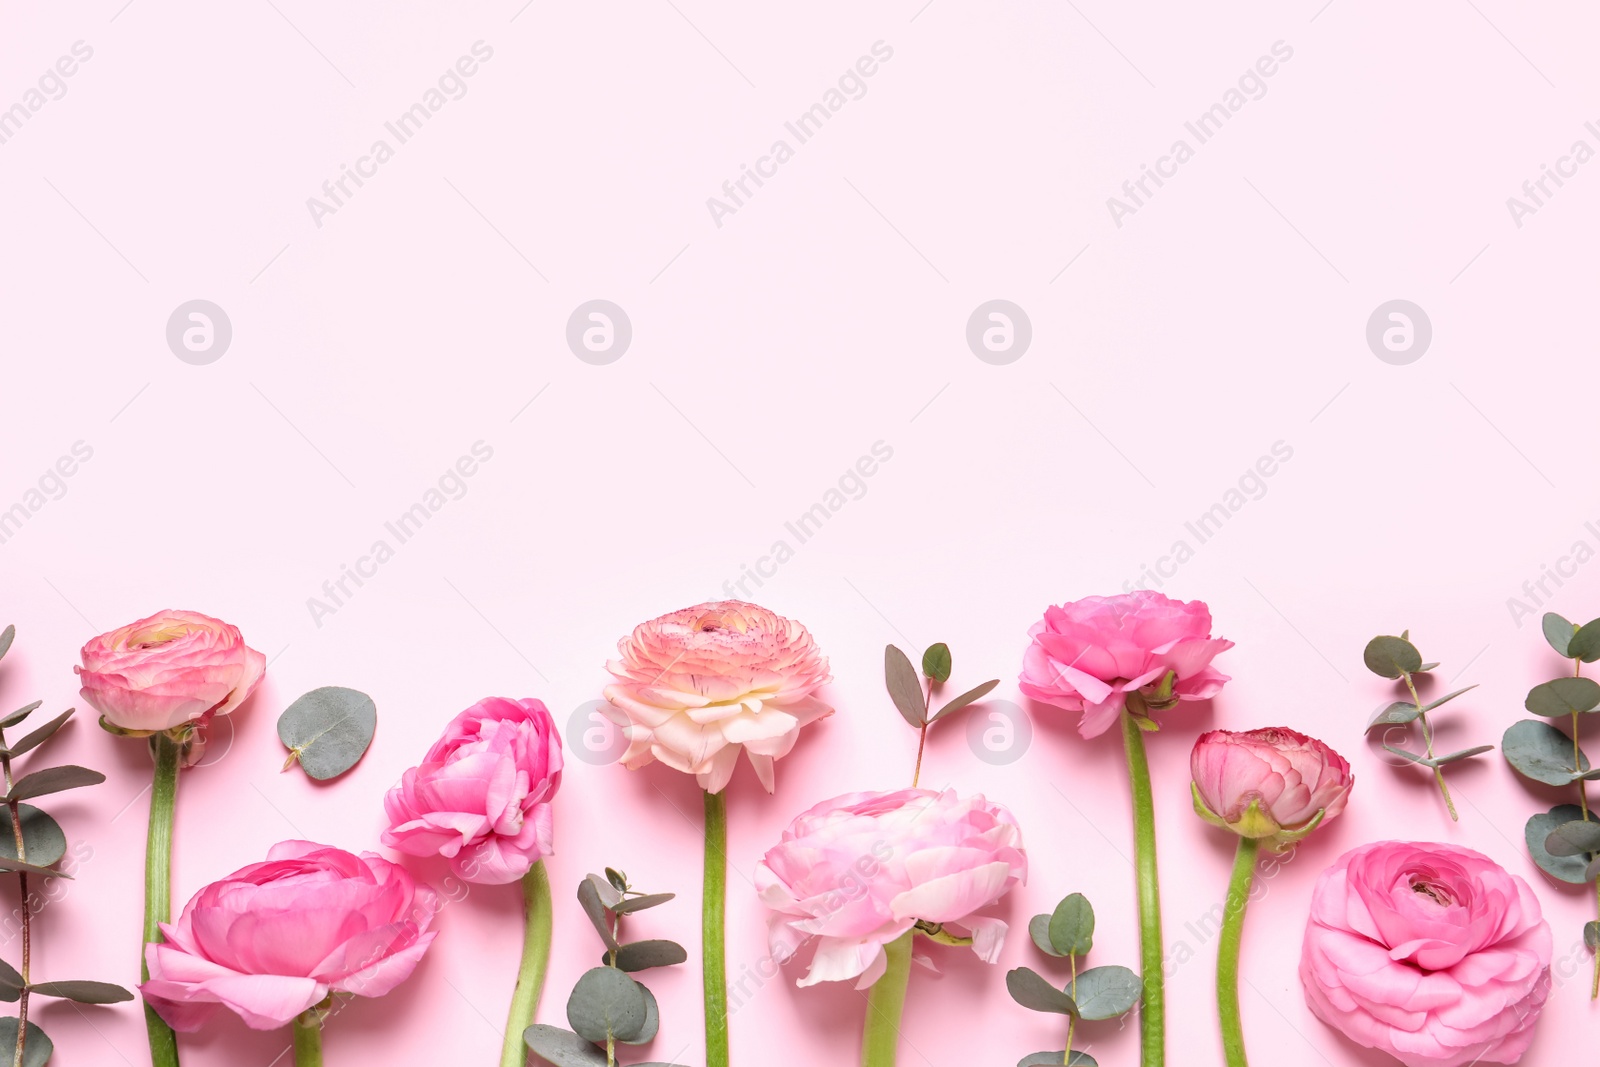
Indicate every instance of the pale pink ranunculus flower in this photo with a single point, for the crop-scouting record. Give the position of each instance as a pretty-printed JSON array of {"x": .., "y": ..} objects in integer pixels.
[
  {"x": 481, "y": 796},
  {"x": 1432, "y": 953},
  {"x": 858, "y": 871},
  {"x": 699, "y": 685},
  {"x": 173, "y": 668},
  {"x": 1088, "y": 655},
  {"x": 275, "y": 938},
  {"x": 1274, "y": 784}
]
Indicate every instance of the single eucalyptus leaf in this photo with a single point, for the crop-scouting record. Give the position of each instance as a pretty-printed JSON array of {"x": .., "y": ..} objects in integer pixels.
[
  {"x": 642, "y": 955},
  {"x": 1576, "y": 838},
  {"x": 606, "y": 1002},
  {"x": 1391, "y": 657},
  {"x": 1430, "y": 705},
  {"x": 652, "y": 1018},
  {"x": 10, "y": 721},
  {"x": 42, "y": 734},
  {"x": 1072, "y": 926},
  {"x": 617, "y": 879},
  {"x": 1591, "y": 872},
  {"x": 1591, "y": 935},
  {"x": 633, "y": 904},
  {"x": 589, "y": 898},
  {"x": 904, "y": 689},
  {"x": 1566, "y": 868},
  {"x": 52, "y": 780},
  {"x": 8, "y": 635},
  {"x": 936, "y": 662},
  {"x": 563, "y": 1048},
  {"x": 1039, "y": 930},
  {"x": 1563, "y": 696},
  {"x": 1558, "y": 632},
  {"x": 1412, "y": 756},
  {"x": 971, "y": 696},
  {"x": 1426, "y": 667},
  {"x": 1589, "y": 775},
  {"x": 18, "y": 867},
  {"x": 1395, "y": 713},
  {"x": 1106, "y": 992},
  {"x": 1585, "y": 644},
  {"x": 1466, "y": 753},
  {"x": 1541, "y": 752},
  {"x": 10, "y": 983},
  {"x": 328, "y": 730},
  {"x": 1033, "y": 991},
  {"x": 82, "y": 992},
  {"x": 1054, "y": 1059},
  {"x": 38, "y": 1048},
  {"x": 609, "y": 894},
  {"x": 42, "y": 837}
]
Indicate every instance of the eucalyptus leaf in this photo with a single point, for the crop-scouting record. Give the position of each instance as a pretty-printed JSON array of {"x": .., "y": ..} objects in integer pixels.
[
  {"x": 904, "y": 689},
  {"x": 42, "y": 734},
  {"x": 82, "y": 992},
  {"x": 609, "y": 894},
  {"x": 1430, "y": 705},
  {"x": 652, "y": 1018},
  {"x": 1054, "y": 1059},
  {"x": 1039, "y": 930},
  {"x": 1106, "y": 992},
  {"x": 606, "y": 1002},
  {"x": 617, "y": 879},
  {"x": 42, "y": 837},
  {"x": 1585, "y": 644},
  {"x": 1426, "y": 667},
  {"x": 563, "y": 1048},
  {"x": 38, "y": 1048},
  {"x": 1391, "y": 657},
  {"x": 52, "y": 780},
  {"x": 1591, "y": 935},
  {"x": 1591, "y": 872},
  {"x": 1558, "y": 632},
  {"x": 10, "y": 983},
  {"x": 1576, "y": 838},
  {"x": 1466, "y": 753},
  {"x": 971, "y": 696},
  {"x": 12, "y": 720},
  {"x": 589, "y": 898},
  {"x": 1541, "y": 752},
  {"x": 18, "y": 867},
  {"x": 1033, "y": 991},
  {"x": 630, "y": 905},
  {"x": 1395, "y": 713},
  {"x": 1563, "y": 696},
  {"x": 1566, "y": 868},
  {"x": 8, "y": 635},
  {"x": 1072, "y": 926},
  {"x": 936, "y": 662},
  {"x": 1412, "y": 756},
  {"x": 328, "y": 730},
  {"x": 642, "y": 955}
]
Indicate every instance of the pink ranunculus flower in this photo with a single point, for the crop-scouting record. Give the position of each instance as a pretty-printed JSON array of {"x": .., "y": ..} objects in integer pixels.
[
  {"x": 273, "y": 939},
  {"x": 858, "y": 871},
  {"x": 1275, "y": 785},
  {"x": 1088, "y": 655},
  {"x": 700, "y": 684},
  {"x": 175, "y": 667},
  {"x": 481, "y": 797},
  {"x": 1432, "y": 953}
]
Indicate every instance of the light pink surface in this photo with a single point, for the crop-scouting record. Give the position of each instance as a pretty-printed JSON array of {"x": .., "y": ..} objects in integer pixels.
[{"x": 1225, "y": 315}]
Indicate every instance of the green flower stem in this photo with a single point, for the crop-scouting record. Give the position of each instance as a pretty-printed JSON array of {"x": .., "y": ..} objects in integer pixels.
[
  {"x": 535, "y": 956},
  {"x": 308, "y": 1039},
  {"x": 158, "y": 884},
  {"x": 712, "y": 937},
  {"x": 885, "y": 1003},
  {"x": 1244, "y": 870},
  {"x": 1153, "y": 1013}
]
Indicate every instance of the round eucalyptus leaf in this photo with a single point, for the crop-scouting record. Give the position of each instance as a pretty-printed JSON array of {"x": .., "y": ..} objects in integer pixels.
[
  {"x": 595, "y": 909},
  {"x": 617, "y": 879},
  {"x": 1541, "y": 752},
  {"x": 1566, "y": 868},
  {"x": 38, "y": 1048},
  {"x": 563, "y": 1048},
  {"x": 1575, "y": 838},
  {"x": 607, "y": 1002},
  {"x": 936, "y": 662},
  {"x": 652, "y": 1018},
  {"x": 42, "y": 836},
  {"x": 642, "y": 955},
  {"x": 328, "y": 730},
  {"x": 1558, "y": 632},
  {"x": 1039, "y": 930},
  {"x": 1072, "y": 926},
  {"x": 1053, "y": 1059},
  {"x": 608, "y": 893},
  {"x": 1563, "y": 696},
  {"x": 1391, "y": 657},
  {"x": 1585, "y": 644},
  {"x": 1591, "y": 935},
  {"x": 1033, "y": 991},
  {"x": 10, "y": 984},
  {"x": 1106, "y": 992}
]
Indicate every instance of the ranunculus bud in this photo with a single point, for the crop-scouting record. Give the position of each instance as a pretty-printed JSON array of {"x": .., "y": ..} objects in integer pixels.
[{"x": 1275, "y": 785}]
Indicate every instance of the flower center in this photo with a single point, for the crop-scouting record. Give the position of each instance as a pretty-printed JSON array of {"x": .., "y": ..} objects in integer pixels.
[{"x": 1439, "y": 894}]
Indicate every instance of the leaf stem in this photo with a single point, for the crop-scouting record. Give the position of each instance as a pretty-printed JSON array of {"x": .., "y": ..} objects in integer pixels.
[
  {"x": 1594, "y": 990},
  {"x": 158, "y": 888},
  {"x": 308, "y": 1039},
  {"x": 1244, "y": 869},
  {"x": 1152, "y": 1015},
  {"x": 535, "y": 956},
  {"x": 1427, "y": 737},
  {"x": 27, "y": 910},
  {"x": 1072, "y": 1020},
  {"x": 880, "y": 1040},
  {"x": 712, "y": 936},
  {"x": 922, "y": 738}
]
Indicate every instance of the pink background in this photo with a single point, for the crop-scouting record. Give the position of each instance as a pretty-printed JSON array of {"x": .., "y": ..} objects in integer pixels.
[{"x": 828, "y": 313}]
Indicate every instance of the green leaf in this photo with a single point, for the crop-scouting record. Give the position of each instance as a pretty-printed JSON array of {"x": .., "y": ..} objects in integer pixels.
[
  {"x": 606, "y": 1002},
  {"x": 1563, "y": 696},
  {"x": 1566, "y": 868},
  {"x": 904, "y": 689},
  {"x": 1465, "y": 753},
  {"x": 328, "y": 730},
  {"x": 42, "y": 734},
  {"x": 1034, "y": 992},
  {"x": 971, "y": 696},
  {"x": 1576, "y": 838},
  {"x": 1412, "y": 756},
  {"x": 1053, "y": 1059},
  {"x": 8, "y": 635},
  {"x": 1430, "y": 705},
  {"x": 1396, "y": 713},
  {"x": 1558, "y": 632},
  {"x": 1541, "y": 752},
  {"x": 936, "y": 662},
  {"x": 38, "y": 1048},
  {"x": 563, "y": 1048},
  {"x": 12, "y": 720},
  {"x": 1591, "y": 935},
  {"x": 609, "y": 894},
  {"x": 82, "y": 992},
  {"x": 10, "y": 984},
  {"x": 52, "y": 780},
  {"x": 1106, "y": 992},
  {"x": 1392, "y": 657},
  {"x": 1585, "y": 644},
  {"x": 632, "y": 904},
  {"x": 1039, "y": 930},
  {"x": 589, "y": 898},
  {"x": 42, "y": 837},
  {"x": 1072, "y": 926},
  {"x": 642, "y": 955},
  {"x": 618, "y": 880},
  {"x": 652, "y": 1018}
]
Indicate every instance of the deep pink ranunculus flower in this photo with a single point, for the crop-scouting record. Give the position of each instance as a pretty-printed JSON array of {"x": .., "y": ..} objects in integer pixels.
[
  {"x": 1432, "y": 953},
  {"x": 700, "y": 684},
  {"x": 481, "y": 796},
  {"x": 1088, "y": 655},
  {"x": 173, "y": 668},
  {"x": 858, "y": 871},
  {"x": 1268, "y": 784},
  {"x": 273, "y": 939}
]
